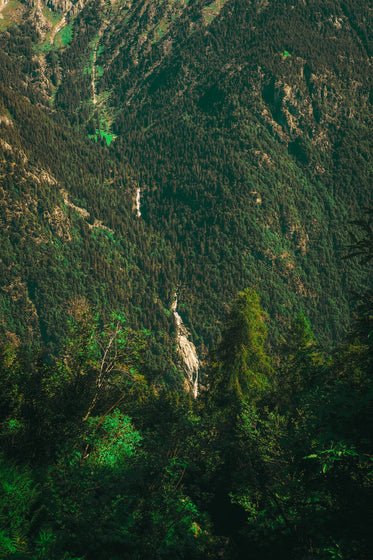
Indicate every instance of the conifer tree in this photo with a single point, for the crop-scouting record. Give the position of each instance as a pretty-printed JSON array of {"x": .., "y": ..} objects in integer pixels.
[{"x": 244, "y": 366}]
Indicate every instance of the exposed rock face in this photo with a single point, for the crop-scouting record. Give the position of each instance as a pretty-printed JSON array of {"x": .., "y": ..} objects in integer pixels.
[
  {"x": 59, "y": 223},
  {"x": 5, "y": 120},
  {"x": 187, "y": 352},
  {"x": 5, "y": 145},
  {"x": 64, "y": 6},
  {"x": 3, "y": 3},
  {"x": 37, "y": 17},
  {"x": 60, "y": 5}
]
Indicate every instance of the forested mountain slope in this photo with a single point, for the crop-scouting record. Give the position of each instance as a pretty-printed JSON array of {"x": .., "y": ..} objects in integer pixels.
[
  {"x": 70, "y": 236},
  {"x": 181, "y": 174},
  {"x": 243, "y": 128},
  {"x": 249, "y": 124}
]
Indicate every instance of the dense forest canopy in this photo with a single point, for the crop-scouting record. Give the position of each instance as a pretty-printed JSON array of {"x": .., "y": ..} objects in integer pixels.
[
  {"x": 190, "y": 174},
  {"x": 242, "y": 128},
  {"x": 273, "y": 458}
]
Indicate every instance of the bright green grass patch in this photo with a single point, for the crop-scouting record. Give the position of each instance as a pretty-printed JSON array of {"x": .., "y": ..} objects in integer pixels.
[
  {"x": 107, "y": 115},
  {"x": 285, "y": 54},
  {"x": 42, "y": 47},
  {"x": 100, "y": 133},
  {"x": 99, "y": 71},
  {"x": 64, "y": 36}
]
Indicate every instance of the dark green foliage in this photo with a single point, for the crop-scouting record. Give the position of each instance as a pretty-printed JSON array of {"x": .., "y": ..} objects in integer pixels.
[
  {"x": 299, "y": 462},
  {"x": 300, "y": 364},
  {"x": 95, "y": 475},
  {"x": 18, "y": 497},
  {"x": 248, "y": 132},
  {"x": 244, "y": 368},
  {"x": 247, "y": 135},
  {"x": 285, "y": 470}
]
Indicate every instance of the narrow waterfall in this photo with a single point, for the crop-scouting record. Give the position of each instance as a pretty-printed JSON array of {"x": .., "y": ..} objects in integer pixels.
[
  {"x": 187, "y": 351},
  {"x": 138, "y": 211}
]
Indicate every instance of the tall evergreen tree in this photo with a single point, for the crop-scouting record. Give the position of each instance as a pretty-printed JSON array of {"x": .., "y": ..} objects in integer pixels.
[{"x": 244, "y": 367}]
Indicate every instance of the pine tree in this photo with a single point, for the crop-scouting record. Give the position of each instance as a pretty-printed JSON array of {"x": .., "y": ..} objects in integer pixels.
[{"x": 244, "y": 367}]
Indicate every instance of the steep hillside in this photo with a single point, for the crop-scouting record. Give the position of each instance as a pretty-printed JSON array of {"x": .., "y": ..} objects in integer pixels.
[
  {"x": 191, "y": 145},
  {"x": 185, "y": 372},
  {"x": 258, "y": 134},
  {"x": 70, "y": 234}
]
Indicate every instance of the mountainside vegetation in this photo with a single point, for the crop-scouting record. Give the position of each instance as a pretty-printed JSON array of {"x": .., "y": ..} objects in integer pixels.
[
  {"x": 244, "y": 125},
  {"x": 273, "y": 459},
  {"x": 214, "y": 155}
]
